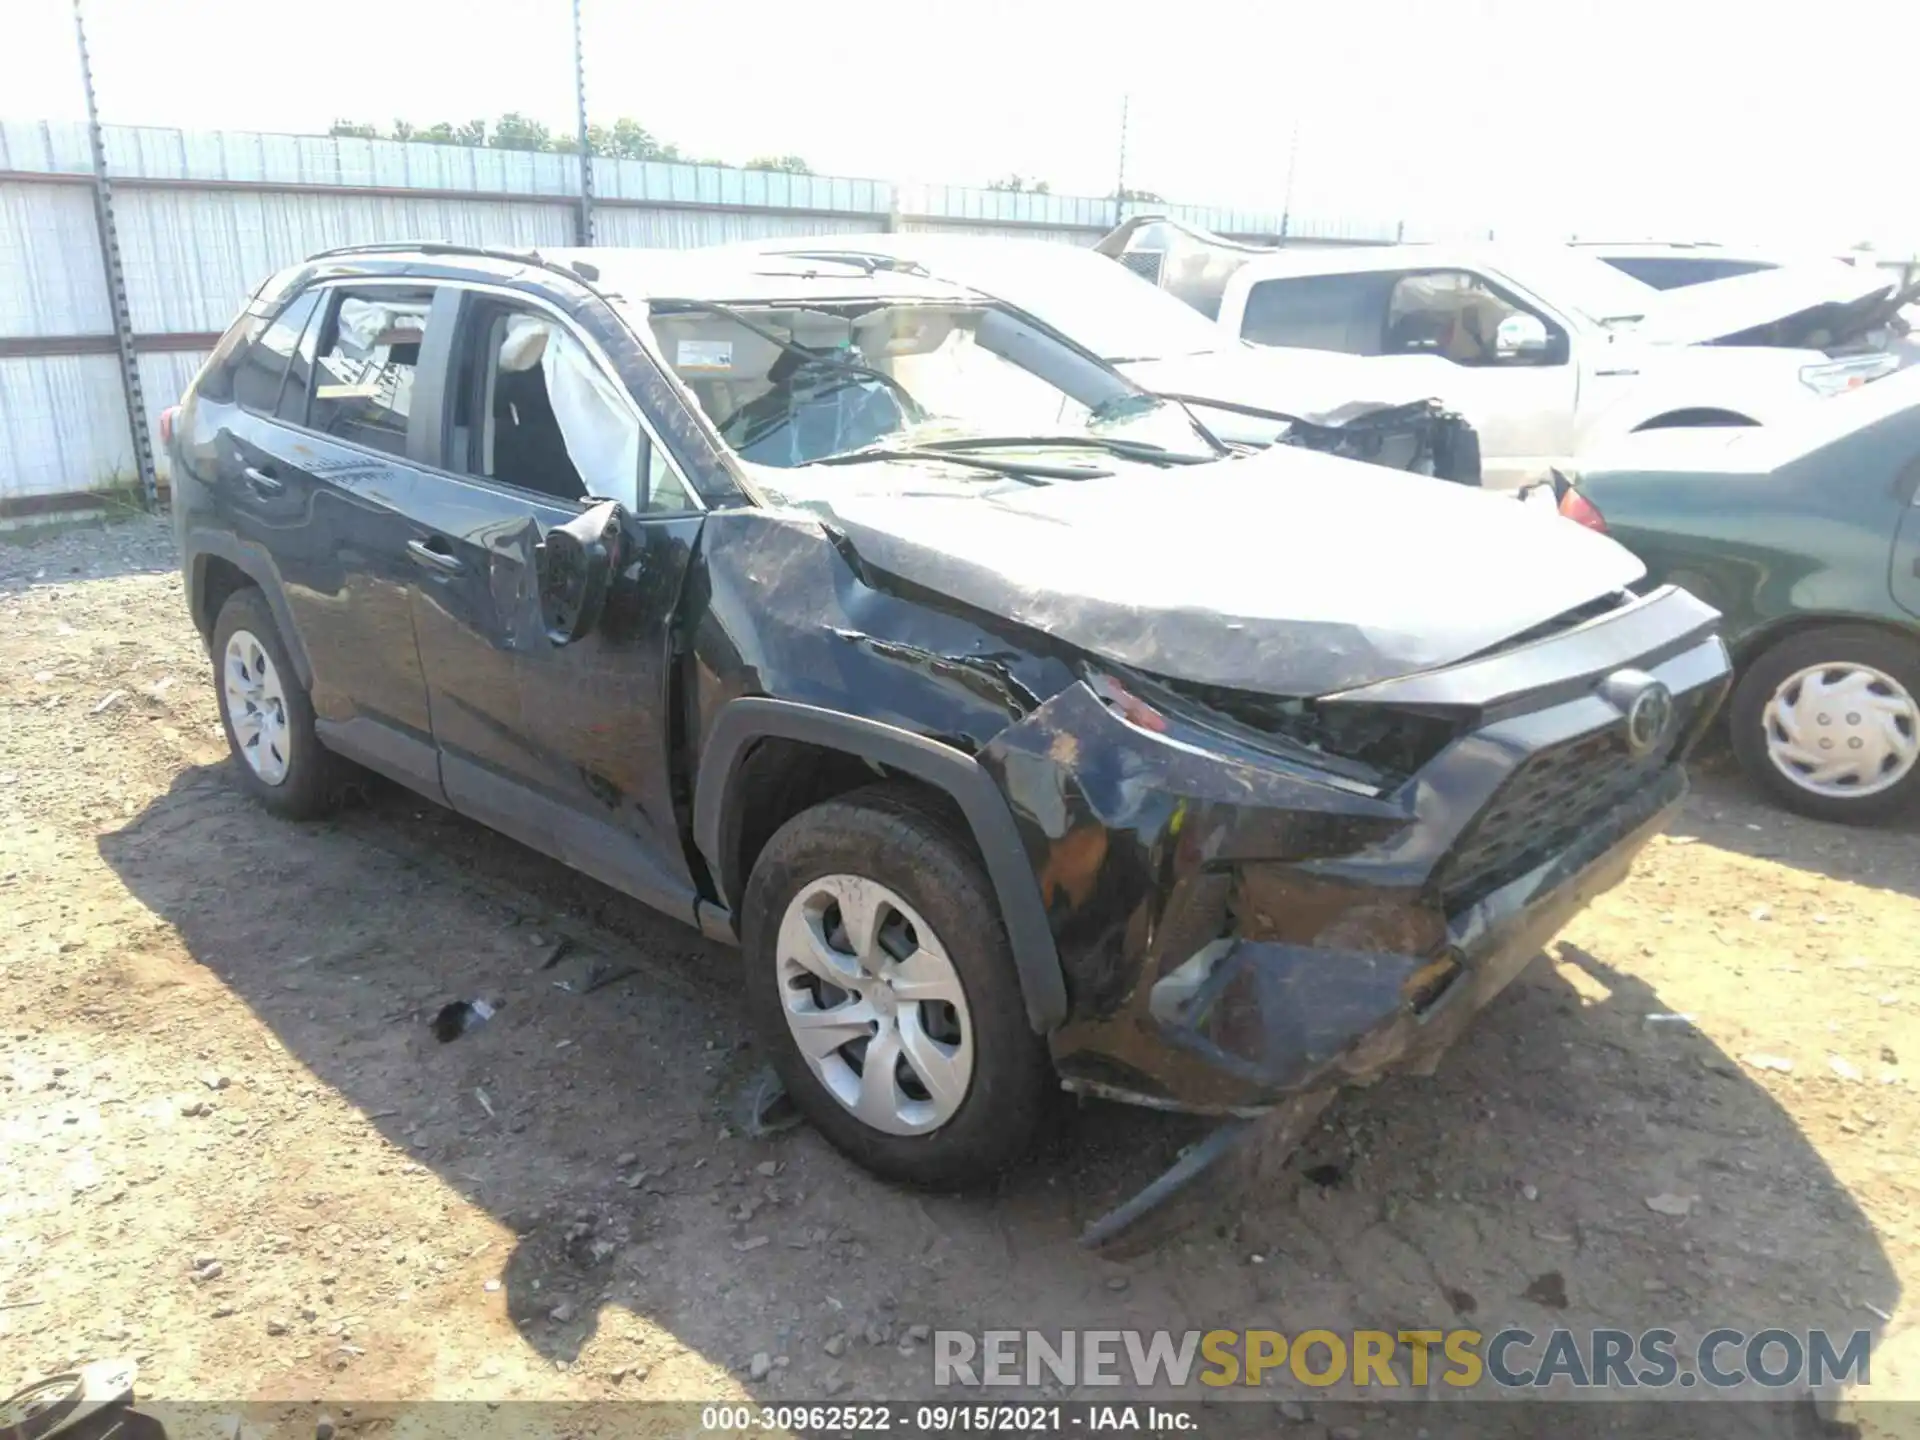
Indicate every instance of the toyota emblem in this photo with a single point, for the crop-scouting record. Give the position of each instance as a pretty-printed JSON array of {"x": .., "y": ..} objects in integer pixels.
[
  {"x": 1647, "y": 705},
  {"x": 1648, "y": 718}
]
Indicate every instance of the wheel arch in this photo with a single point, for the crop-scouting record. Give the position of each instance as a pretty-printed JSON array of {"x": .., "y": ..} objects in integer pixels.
[
  {"x": 219, "y": 566},
  {"x": 1751, "y": 646},
  {"x": 1693, "y": 416},
  {"x": 718, "y": 811}
]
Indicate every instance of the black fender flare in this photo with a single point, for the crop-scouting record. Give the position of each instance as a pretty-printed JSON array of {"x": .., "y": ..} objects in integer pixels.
[
  {"x": 1043, "y": 985},
  {"x": 257, "y": 565}
]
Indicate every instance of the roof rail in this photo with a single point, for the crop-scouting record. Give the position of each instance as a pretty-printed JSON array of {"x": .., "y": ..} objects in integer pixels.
[{"x": 576, "y": 270}]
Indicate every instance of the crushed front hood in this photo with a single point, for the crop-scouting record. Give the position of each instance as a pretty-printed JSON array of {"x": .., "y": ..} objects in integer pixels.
[
  {"x": 1287, "y": 573},
  {"x": 1318, "y": 386},
  {"x": 1798, "y": 302}
]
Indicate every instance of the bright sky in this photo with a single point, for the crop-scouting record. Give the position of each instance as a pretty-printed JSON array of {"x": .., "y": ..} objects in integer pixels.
[{"x": 1610, "y": 118}]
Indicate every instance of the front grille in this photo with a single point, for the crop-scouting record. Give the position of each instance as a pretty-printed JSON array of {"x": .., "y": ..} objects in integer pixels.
[
  {"x": 1144, "y": 263},
  {"x": 1548, "y": 802}
]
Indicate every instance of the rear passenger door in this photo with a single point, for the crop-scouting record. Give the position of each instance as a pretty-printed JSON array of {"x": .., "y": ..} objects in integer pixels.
[
  {"x": 566, "y": 748},
  {"x": 317, "y": 485}
]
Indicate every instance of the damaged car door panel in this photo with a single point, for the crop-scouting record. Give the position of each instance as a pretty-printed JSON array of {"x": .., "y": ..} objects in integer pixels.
[{"x": 1143, "y": 783}]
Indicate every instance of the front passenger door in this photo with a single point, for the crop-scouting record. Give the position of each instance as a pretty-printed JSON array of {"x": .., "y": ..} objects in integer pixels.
[
  {"x": 1522, "y": 404},
  {"x": 565, "y": 747}
]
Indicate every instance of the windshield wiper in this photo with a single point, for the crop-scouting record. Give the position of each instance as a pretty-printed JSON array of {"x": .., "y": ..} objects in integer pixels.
[
  {"x": 1126, "y": 449},
  {"x": 814, "y": 357},
  {"x": 1018, "y": 469},
  {"x": 861, "y": 260}
]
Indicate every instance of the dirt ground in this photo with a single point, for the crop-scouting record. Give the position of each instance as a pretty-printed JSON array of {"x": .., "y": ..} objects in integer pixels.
[{"x": 234, "y": 1150}]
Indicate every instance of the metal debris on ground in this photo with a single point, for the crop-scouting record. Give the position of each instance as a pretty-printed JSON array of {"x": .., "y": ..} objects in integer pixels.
[
  {"x": 603, "y": 975},
  {"x": 763, "y": 1107},
  {"x": 455, "y": 1019}
]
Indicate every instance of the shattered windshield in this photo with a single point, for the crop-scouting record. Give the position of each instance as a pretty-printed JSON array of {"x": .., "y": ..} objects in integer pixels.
[{"x": 806, "y": 383}]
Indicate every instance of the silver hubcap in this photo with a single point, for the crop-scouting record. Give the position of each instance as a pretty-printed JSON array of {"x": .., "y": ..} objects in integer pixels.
[
  {"x": 256, "y": 707},
  {"x": 1843, "y": 730},
  {"x": 874, "y": 1004}
]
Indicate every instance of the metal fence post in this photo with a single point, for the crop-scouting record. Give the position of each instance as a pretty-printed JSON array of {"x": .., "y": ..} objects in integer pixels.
[
  {"x": 583, "y": 225},
  {"x": 116, "y": 280}
]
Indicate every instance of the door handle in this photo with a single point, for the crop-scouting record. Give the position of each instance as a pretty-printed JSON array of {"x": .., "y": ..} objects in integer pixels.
[
  {"x": 424, "y": 553},
  {"x": 261, "y": 481}
]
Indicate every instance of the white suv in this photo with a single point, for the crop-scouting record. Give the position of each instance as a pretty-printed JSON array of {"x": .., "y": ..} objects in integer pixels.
[{"x": 1546, "y": 351}]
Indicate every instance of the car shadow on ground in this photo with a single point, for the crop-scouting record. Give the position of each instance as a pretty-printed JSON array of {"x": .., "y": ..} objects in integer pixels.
[
  {"x": 592, "y": 1115},
  {"x": 1728, "y": 810}
]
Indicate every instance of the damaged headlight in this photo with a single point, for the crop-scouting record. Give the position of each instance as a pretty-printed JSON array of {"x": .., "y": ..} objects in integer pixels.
[
  {"x": 1379, "y": 745},
  {"x": 1836, "y": 377}
]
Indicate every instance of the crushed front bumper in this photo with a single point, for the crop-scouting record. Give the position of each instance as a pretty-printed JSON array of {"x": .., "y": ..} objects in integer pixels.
[
  {"x": 1241, "y": 937},
  {"x": 1288, "y": 1017}
]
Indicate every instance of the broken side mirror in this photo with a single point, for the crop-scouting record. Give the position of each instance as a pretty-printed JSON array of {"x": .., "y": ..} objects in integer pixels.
[
  {"x": 575, "y": 564},
  {"x": 1521, "y": 337}
]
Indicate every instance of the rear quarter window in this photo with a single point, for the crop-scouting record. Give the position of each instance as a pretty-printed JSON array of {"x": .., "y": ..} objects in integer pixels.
[
  {"x": 261, "y": 367},
  {"x": 216, "y": 376}
]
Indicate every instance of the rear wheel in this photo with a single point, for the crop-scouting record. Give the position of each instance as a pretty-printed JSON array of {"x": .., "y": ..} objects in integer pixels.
[
  {"x": 880, "y": 978},
  {"x": 1828, "y": 722},
  {"x": 278, "y": 758}
]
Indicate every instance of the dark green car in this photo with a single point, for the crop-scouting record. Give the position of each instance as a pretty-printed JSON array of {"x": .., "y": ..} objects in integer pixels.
[{"x": 1806, "y": 538}]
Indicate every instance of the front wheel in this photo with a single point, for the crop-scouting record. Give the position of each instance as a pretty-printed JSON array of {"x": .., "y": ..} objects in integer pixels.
[
  {"x": 1828, "y": 722},
  {"x": 880, "y": 978}
]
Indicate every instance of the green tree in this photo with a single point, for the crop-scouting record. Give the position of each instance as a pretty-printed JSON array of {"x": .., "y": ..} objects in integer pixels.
[
  {"x": 514, "y": 131},
  {"x": 403, "y": 130},
  {"x": 1129, "y": 193},
  {"x": 437, "y": 134},
  {"x": 631, "y": 140},
  {"x": 354, "y": 129},
  {"x": 784, "y": 164},
  {"x": 625, "y": 139},
  {"x": 1018, "y": 184},
  {"x": 473, "y": 133}
]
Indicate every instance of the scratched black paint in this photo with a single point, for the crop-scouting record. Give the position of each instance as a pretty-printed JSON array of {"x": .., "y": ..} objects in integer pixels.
[{"x": 1233, "y": 923}]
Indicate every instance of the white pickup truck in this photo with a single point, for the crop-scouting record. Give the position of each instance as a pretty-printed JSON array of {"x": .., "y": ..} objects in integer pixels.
[{"x": 1546, "y": 351}]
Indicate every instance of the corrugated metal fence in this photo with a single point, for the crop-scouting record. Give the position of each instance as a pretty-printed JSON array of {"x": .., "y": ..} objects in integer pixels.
[{"x": 203, "y": 218}]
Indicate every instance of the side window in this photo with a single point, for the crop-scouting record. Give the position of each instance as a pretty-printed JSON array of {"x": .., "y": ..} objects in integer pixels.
[
  {"x": 535, "y": 410},
  {"x": 366, "y": 355},
  {"x": 1664, "y": 273},
  {"x": 1461, "y": 318},
  {"x": 1319, "y": 312},
  {"x": 262, "y": 365}
]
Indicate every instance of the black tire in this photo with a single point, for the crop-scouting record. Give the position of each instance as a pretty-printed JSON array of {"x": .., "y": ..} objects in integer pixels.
[
  {"x": 891, "y": 836},
  {"x": 312, "y": 785},
  {"x": 1837, "y": 645}
]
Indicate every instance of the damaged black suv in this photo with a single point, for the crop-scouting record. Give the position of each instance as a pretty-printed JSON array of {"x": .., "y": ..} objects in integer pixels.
[{"x": 1020, "y": 735}]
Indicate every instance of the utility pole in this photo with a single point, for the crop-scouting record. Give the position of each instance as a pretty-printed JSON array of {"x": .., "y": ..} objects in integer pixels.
[
  {"x": 583, "y": 224},
  {"x": 1120, "y": 187},
  {"x": 1286, "y": 203},
  {"x": 116, "y": 277}
]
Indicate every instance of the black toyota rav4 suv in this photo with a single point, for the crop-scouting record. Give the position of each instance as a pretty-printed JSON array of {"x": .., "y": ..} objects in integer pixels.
[{"x": 1020, "y": 735}]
